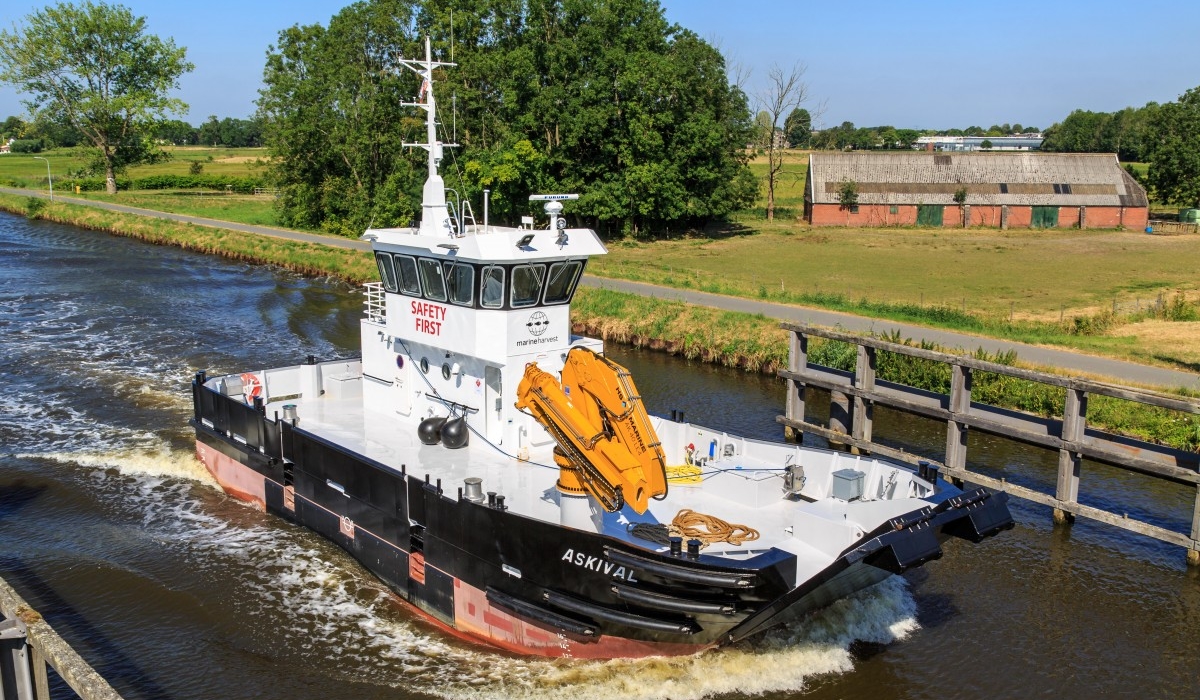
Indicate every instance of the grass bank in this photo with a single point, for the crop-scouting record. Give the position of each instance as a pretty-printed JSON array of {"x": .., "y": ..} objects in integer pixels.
[
  {"x": 757, "y": 343},
  {"x": 751, "y": 342}
]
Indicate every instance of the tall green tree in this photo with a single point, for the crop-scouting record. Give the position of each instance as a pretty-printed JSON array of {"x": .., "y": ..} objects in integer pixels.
[
  {"x": 600, "y": 97},
  {"x": 93, "y": 66},
  {"x": 799, "y": 128},
  {"x": 1175, "y": 151},
  {"x": 334, "y": 120}
]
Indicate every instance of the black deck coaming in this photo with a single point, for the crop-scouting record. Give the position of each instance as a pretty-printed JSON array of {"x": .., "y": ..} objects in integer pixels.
[{"x": 394, "y": 514}]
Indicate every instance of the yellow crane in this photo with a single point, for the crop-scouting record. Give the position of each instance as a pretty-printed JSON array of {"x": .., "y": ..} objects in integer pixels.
[{"x": 607, "y": 447}]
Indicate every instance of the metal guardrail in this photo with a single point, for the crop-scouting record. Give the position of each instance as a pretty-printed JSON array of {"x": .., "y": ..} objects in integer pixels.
[
  {"x": 28, "y": 644},
  {"x": 1068, "y": 434}
]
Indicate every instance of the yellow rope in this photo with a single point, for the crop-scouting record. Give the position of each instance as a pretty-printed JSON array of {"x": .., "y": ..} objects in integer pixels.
[
  {"x": 691, "y": 525},
  {"x": 684, "y": 474}
]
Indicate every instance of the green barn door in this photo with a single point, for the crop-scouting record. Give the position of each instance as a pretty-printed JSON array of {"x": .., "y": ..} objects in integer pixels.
[
  {"x": 930, "y": 215},
  {"x": 1044, "y": 217}
]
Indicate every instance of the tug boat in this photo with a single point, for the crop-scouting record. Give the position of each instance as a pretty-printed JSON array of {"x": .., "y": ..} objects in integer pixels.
[{"x": 504, "y": 478}]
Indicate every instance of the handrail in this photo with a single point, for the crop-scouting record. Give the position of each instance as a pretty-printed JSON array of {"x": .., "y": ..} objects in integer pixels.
[{"x": 42, "y": 646}]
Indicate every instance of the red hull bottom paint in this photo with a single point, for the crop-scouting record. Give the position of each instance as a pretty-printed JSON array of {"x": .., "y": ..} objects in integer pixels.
[
  {"x": 475, "y": 619},
  {"x": 238, "y": 480}
]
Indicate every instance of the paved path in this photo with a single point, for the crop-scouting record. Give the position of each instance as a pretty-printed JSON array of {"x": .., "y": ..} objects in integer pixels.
[{"x": 1064, "y": 359}]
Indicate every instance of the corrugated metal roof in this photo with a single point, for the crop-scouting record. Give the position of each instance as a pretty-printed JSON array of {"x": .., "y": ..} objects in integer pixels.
[{"x": 1054, "y": 179}]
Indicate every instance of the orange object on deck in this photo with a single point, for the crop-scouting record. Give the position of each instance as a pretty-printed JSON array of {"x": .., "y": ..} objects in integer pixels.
[{"x": 606, "y": 443}]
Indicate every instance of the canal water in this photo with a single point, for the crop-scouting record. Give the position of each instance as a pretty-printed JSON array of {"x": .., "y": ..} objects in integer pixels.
[{"x": 113, "y": 531}]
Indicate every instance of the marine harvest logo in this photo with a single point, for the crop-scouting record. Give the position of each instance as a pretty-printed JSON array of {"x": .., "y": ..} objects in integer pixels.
[{"x": 538, "y": 323}]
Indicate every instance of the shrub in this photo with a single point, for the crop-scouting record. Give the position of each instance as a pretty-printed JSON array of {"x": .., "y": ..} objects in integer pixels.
[
  {"x": 34, "y": 207},
  {"x": 27, "y": 146},
  {"x": 195, "y": 168}
]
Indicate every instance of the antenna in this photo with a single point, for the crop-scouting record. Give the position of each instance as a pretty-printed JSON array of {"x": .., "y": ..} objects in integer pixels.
[{"x": 452, "y": 35}]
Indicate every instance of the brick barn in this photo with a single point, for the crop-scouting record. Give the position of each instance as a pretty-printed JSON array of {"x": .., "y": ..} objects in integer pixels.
[{"x": 1019, "y": 190}]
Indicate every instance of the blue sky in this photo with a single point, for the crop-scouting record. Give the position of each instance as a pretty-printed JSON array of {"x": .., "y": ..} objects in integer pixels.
[{"x": 921, "y": 64}]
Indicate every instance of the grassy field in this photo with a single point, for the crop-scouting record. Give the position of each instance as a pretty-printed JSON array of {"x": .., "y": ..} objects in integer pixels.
[
  {"x": 258, "y": 210},
  {"x": 23, "y": 170}
]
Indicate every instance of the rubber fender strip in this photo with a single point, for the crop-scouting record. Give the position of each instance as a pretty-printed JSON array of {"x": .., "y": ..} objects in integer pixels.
[
  {"x": 718, "y": 579},
  {"x": 670, "y": 603},
  {"x": 566, "y": 602},
  {"x": 536, "y": 612}
]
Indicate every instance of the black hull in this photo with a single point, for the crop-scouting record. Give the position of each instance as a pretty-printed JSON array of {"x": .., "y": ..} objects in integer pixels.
[{"x": 527, "y": 585}]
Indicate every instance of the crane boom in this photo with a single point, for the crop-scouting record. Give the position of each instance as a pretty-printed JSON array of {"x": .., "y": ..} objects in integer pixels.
[{"x": 607, "y": 446}]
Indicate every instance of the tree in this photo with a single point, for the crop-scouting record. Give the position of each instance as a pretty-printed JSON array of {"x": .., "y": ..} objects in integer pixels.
[
  {"x": 799, "y": 128},
  {"x": 847, "y": 194},
  {"x": 176, "y": 132},
  {"x": 905, "y": 138},
  {"x": 784, "y": 93},
  {"x": 94, "y": 67},
  {"x": 600, "y": 97},
  {"x": 1175, "y": 154},
  {"x": 986, "y": 145},
  {"x": 12, "y": 128}
]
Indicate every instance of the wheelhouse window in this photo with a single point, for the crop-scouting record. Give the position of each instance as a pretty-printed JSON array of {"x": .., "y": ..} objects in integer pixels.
[
  {"x": 560, "y": 283},
  {"x": 431, "y": 279},
  {"x": 387, "y": 271},
  {"x": 406, "y": 268},
  {"x": 460, "y": 282},
  {"x": 527, "y": 284},
  {"x": 491, "y": 287}
]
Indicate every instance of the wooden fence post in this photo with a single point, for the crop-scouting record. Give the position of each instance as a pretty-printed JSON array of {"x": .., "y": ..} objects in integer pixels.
[
  {"x": 839, "y": 417},
  {"x": 959, "y": 403},
  {"x": 1073, "y": 426},
  {"x": 797, "y": 362},
  {"x": 1193, "y": 554},
  {"x": 864, "y": 409}
]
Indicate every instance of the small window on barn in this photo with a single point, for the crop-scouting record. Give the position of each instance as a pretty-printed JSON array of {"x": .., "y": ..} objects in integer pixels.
[
  {"x": 1057, "y": 188},
  {"x": 853, "y": 208},
  {"x": 894, "y": 209},
  {"x": 1003, "y": 188},
  {"x": 1066, "y": 189}
]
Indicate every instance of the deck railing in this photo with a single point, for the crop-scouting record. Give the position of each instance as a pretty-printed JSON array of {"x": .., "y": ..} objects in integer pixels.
[
  {"x": 860, "y": 391},
  {"x": 375, "y": 305}
]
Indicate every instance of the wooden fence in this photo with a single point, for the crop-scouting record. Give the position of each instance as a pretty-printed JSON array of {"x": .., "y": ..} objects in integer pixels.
[
  {"x": 28, "y": 645},
  {"x": 1173, "y": 228},
  {"x": 860, "y": 391}
]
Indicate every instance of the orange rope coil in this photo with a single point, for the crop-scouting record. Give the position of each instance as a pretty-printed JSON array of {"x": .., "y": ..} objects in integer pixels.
[{"x": 691, "y": 525}]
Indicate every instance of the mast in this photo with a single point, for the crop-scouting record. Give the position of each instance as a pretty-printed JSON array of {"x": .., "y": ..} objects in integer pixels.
[{"x": 435, "y": 216}]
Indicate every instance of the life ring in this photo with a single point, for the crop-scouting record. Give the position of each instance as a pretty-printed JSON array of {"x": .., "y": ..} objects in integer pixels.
[{"x": 251, "y": 386}]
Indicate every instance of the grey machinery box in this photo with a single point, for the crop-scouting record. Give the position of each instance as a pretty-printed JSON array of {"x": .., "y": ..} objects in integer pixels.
[{"x": 848, "y": 484}]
